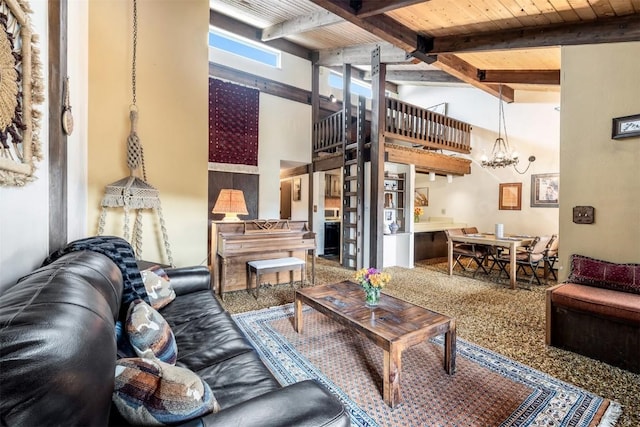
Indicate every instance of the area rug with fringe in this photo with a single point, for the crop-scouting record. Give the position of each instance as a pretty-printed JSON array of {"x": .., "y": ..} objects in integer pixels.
[{"x": 487, "y": 389}]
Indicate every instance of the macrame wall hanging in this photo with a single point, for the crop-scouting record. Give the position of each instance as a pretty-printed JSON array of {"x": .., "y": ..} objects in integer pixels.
[
  {"x": 21, "y": 87},
  {"x": 134, "y": 194}
]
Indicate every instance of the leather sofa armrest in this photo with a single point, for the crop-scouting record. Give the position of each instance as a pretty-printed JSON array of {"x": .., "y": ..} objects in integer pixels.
[
  {"x": 185, "y": 280},
  {"x": 303, "y": 404}
]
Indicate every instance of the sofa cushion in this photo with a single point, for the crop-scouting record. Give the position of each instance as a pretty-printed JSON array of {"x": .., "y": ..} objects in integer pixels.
[
  {"x": 151, "y": 392},
  {"x": 149, "y": 334},
  {"x": 238, "y": 379},
  {"x": 604, "y": 302},
  {"x": 191, "y": 306},
  {"x": 604, "y": 274},
  {"x": 158, "y": 287}
]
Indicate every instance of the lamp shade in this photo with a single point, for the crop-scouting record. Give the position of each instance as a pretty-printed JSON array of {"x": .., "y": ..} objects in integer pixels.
[{"x": 231, "y": 203}]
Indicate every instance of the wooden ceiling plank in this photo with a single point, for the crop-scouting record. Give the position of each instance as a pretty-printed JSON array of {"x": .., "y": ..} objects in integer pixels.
[
  {"x": 563, "y": 8},
  {"x": 546, "y": 8},
  {"x": 610, "y": 30},
  {"x": 469, "y": 74},
  {"x": 602, "y": 8},
  {"x": 636, "y": 5},
  {"x": 300, "y": 24},
  {"x": 525, "y": 13},
  {"x": 583, "y": 9},
  {"x": 376, "y": 7},
  {"x": 622, "y": 7},
  {"x": 542, "y": 77},
  {"x": 382, "y": 26}
]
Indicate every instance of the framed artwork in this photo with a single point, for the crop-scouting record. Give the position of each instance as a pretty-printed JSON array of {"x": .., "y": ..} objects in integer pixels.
[
  {"x": 545, "y": 189},
  {"x": 297, "y": 190},
  {"x": 421, "y": 196},
  {"x": 510, "y": 198},
  {"x": 625, "y": 127}
]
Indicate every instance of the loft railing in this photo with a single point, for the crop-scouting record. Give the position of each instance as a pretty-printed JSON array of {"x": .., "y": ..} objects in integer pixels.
[
  {"x": 424, "y": 127},
  {"x": 328, "y": 134},
  {"x": 403, "y": 121}
]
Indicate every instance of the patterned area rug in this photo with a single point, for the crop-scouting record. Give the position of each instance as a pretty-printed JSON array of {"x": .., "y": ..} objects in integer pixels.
[{"x": 486, "y": 390}]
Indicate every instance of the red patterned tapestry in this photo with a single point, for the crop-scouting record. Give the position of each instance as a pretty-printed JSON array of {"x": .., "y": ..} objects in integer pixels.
[{"x": 233, "y": 123}]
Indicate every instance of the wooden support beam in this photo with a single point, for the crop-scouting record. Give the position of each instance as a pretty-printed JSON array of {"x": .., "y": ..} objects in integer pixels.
[
  {"x": 606, "y": 30},
  {"x": 300, "y": 24},
  {"x": 378, "y": 109},
  {"x": 540, "y": 77},
  {"x": 468, "y": 73},
  {"x": 361, "y": 55},
  {"x": 382, "y": 26},
  {"x": 427, "y": 161},
  {"x": 428, "y": 76}
]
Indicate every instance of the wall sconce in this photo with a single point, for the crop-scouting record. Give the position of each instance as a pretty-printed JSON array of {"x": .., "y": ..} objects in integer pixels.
[
  {"x": 449, "y": 178},
  {"x": 432, "y": 176},
  {"x": 230, "y": 203}
]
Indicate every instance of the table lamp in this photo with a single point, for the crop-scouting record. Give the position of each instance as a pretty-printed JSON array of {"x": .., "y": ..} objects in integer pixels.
[{"x": 230, "y": 203}]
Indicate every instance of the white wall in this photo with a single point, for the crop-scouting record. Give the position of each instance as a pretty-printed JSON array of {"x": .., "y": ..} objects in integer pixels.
[
  {"x": 533, "y": 127},
  {"x": 24, "y": 211}
]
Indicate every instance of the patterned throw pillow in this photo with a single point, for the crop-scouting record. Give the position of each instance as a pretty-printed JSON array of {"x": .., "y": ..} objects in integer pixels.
[
  {"x": 604, "y": 274},
  {"x": 149, "y": 334},
  {"x": 159, "y": 290},
  {"x": 151, "y": 392}
]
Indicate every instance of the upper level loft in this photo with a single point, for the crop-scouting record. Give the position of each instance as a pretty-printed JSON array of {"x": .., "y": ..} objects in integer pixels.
[{"x": 412, "y": 135}]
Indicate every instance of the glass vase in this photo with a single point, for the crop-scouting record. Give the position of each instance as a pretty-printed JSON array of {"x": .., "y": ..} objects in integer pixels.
[
  {"x": 372, "y": 296},
  {"x": 416, "y": 218}
]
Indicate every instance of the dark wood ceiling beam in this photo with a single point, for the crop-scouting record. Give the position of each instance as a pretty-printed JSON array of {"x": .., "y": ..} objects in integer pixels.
[
  {"x": 606, "y": 30},
  {"x": 469, "y": 74},
  {"x": 376, "y": 7},
  {"x": 380, "y": 25},
  {"x": 300, "y": 24},
  {"x": 536, "y": 77}
]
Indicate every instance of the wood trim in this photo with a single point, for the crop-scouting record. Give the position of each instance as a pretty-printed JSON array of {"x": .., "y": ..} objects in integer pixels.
[
  {"x": 540, "y": 77},
  {"x": 371, "y": 8},
  {"x": 58, "y": 20}
]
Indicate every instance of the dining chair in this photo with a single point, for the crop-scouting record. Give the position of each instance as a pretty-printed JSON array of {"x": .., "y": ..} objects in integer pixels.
[
  {"x": 475, "y": 253},
  {"x": 531, "y": 257},
  {"x": 550, "y": 257}
]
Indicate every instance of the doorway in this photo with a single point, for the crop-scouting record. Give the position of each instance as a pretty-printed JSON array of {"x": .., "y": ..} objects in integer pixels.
[{"x": 285, "y": 199}]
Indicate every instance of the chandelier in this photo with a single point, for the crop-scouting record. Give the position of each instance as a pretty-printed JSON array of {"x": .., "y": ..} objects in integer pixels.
[{"x": 501, "y": 154}]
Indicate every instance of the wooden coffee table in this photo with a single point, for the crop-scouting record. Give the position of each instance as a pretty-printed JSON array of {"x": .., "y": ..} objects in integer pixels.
[{"x": 393, "y": 325}]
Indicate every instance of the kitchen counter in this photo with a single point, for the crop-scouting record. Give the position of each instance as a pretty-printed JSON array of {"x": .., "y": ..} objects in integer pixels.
[{"x": 430, "y": 240}]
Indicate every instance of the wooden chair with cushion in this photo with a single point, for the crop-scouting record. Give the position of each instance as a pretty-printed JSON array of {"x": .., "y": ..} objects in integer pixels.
[
  {"x": 475, "y": 253},
  {"x": 531, "y": 257},
  {"x": 550, "y": 258}
]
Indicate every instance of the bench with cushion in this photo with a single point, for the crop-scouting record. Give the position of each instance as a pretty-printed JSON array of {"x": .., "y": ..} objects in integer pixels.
[
  {"x": 596, "y": 312},
  {"x": 276, "y": 265}
]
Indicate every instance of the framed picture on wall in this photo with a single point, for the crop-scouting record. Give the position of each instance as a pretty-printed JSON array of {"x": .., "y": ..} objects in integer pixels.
[
  {"x": 421, "y": 196},
  {"x": 297, "y": 190},
  {"x": 545, "y": 189},
  {"x": 510, "y": 197}
]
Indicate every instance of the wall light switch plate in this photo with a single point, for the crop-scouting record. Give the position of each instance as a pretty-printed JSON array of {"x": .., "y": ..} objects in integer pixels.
[{"x": 584, "y": 214}]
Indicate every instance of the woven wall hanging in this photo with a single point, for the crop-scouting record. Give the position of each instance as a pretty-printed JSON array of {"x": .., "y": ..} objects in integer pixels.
[
  {"x": 133, "y": 193},
  {"x": 21, "y": 87}
]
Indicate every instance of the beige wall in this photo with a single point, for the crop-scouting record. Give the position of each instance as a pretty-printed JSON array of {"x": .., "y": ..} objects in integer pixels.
[
  {"x": 172, "y": 98},
  {"x": 599, "y": 83}
]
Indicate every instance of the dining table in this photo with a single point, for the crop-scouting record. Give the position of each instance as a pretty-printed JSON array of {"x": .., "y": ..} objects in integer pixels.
[{"x": 511, "y": 242}]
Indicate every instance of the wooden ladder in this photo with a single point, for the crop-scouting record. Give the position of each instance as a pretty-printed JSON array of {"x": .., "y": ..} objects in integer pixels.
[{"x": 353, "y": 191}]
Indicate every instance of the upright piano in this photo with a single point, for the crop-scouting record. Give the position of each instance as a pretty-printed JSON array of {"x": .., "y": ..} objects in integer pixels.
[{"x": 236, "y": 243}]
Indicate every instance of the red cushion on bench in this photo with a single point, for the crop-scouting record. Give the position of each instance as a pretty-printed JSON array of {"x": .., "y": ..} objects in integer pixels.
[{"x": 605, "y": 302}]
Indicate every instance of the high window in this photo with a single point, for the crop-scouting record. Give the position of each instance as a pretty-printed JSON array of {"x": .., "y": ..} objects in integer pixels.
[
  {"x": 246, "y": 48},
  {"x": 358, "y": 87}
]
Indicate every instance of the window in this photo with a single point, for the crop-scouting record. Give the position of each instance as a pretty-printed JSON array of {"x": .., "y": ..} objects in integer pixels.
[
  {"x": 243, "y": 47},
  {"x": 357, "y": 87}
]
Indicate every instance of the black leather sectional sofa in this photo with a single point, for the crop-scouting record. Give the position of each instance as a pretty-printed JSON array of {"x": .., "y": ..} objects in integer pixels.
[{"x": 58, "y": 352}]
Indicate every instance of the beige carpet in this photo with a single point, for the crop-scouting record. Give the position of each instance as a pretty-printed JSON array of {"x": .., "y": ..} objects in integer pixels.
[{"x": 509, "y": 322}]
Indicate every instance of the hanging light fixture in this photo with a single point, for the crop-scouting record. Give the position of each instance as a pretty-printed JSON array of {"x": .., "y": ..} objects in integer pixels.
[{"x": 501, "y": 154}]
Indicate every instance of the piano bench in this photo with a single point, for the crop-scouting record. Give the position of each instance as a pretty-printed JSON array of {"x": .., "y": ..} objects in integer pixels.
[{"x": 276, "y": 265}]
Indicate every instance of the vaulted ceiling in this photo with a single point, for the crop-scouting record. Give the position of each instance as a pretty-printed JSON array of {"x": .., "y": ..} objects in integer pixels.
[{"x": 484, "y": 43}]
